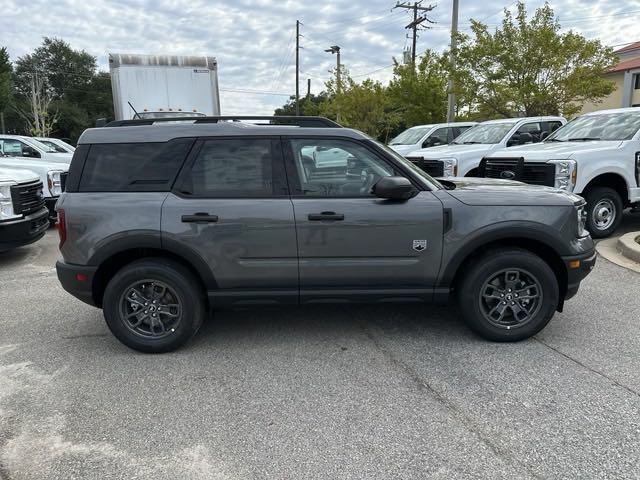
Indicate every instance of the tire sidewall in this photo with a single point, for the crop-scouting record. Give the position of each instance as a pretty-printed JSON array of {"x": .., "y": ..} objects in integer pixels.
[
  {"x": 593, "y": 197},
  {"x": 483, "y": 270},
  {"x": 179, "y": 279}
]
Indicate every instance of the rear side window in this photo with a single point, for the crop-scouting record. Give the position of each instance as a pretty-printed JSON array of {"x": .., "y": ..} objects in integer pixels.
[
  {"x": 241, "y": 167},
  {"x": 133, "y": 167}
]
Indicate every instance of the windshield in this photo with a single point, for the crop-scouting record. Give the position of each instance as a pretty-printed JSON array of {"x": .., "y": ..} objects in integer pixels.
[
  {"x": 485, "y": 133},
  {"x": 428, "y": 179},
  {"x": 52, "y": 145},
  {"x": 605, "y": 126},
  {"x": 411, "y": 136},
  {"x": 44, "y": 146}
]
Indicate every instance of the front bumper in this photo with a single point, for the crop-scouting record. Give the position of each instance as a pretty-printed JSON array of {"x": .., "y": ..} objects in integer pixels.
[
  {"x": 77, "y": 280},
  {"x": 578, "y": 267},
  {"x": 23, "y": 231}
]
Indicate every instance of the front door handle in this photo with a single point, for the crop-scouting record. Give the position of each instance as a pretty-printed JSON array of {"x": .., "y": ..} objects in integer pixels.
[
  {"x": 200, "y": 217},
  {"x": 315, "y": 217}
]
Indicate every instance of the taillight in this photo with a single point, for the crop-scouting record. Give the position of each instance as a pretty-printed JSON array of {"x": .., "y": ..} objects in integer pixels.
[{"x": 62, "y": 227}]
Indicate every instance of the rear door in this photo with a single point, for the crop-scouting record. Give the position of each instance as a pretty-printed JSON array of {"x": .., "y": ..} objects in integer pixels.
[
  {"x": 231, "y": 207},
  {"x": 351, "y": 242}
]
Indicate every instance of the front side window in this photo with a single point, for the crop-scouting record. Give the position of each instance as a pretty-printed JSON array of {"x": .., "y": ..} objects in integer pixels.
[
  {"x": 439, "y": 137},
  {"x": 606, "y": 126},
  {"x": 336, "y": 168},
  {"x": 133, "y": 167},
  {"x": 488, "y": 133},
  {"x": 240, "y": 167}
]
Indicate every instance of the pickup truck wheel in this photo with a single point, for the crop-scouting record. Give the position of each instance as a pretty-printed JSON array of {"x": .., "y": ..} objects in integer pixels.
[
  {"x": 508, "y": 295},
  {"x": 154, "y": 305},
  {"x": 604, "y": 211}
]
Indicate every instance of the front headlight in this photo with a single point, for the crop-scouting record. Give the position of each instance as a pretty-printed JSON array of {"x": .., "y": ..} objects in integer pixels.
[
  {"x": 6, "y": 203},
  {"x": 566, "y": 174},
  {"x": 450, "y": 167},
  {"x": 581, "y": 213},
  {"x": 54, "y": 182}
]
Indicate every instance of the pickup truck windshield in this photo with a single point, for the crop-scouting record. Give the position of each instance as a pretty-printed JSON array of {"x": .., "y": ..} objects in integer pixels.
[
  {"x": 485, "y": 133},
  {"x": 410, "y": 136},
  {"x": 605, "y": 126}
]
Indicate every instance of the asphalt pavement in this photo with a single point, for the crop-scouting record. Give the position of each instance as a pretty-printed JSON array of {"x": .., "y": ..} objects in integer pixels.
[{"x": 355, "y": 392}]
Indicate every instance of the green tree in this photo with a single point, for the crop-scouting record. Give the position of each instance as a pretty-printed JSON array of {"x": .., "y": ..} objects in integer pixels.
[
  {"x": 308, "y": 106},
  {"x": 420, "y": 94},
  {"x": 364, "y": 106},
  {"x": 529, "y": 67},
  {"x": 6, "y": 86}
]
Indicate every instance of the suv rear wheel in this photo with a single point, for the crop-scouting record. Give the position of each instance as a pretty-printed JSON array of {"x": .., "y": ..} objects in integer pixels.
[
  {"x": 604, "y": 211},
  {"x": 508, "y": 295},
  {"x": 154, "y": 305}
]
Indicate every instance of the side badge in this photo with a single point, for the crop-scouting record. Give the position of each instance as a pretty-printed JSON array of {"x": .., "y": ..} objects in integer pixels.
[{"x": 419, "y": 245}]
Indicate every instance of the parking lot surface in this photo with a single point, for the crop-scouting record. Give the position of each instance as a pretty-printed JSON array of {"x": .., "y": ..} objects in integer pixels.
[{"x": 324, "y": 392}]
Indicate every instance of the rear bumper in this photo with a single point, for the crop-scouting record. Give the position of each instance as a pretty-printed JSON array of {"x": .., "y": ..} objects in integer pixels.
[
  {"x": 23, "y": 231},
  {"x": 77, "y": 280},
  {"x": 578, "y": 267}
]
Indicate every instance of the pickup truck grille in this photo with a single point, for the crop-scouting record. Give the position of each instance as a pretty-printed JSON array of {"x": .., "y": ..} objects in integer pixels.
[
  {"x": 536, "y": 173},
  {"x": 435, "y": 168},
  {"x": 27, "y": 197}
]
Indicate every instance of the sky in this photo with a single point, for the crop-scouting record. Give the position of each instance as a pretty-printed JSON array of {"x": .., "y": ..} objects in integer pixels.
[{"x": 254, "y": 41}]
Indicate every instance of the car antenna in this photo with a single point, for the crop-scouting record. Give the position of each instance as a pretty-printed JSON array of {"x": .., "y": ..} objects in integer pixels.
[{"x": 137, "y": 115}]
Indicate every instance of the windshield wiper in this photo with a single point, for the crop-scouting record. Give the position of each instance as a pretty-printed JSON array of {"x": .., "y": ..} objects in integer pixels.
[
  {"x": 470, "y": 143},
  {"x": 554, "y": 140},
  {"x": 582, "y": 139}
]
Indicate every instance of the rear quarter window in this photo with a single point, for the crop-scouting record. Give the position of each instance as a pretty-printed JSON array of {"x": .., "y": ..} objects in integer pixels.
[{"x": 133, "y": 167}]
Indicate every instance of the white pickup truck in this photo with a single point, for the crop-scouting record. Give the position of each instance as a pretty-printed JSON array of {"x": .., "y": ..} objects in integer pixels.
[
  {"x": 18, "y": 152},
  {"x": 426, "y": 136},
  {"x": 461, "y": 157},
  {"x": 597, "y": 155},
  {"x": 23, "y": 216}
]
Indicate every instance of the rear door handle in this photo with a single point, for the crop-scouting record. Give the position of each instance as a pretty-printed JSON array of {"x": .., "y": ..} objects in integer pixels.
[
  {"x": 199, "y": 217},
  {"x": 315, "y": 217}
]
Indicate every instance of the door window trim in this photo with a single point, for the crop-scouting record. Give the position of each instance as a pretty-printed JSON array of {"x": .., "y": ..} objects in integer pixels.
[
  {"x": 277, "y": 165},
  {"x": 292, "y": 171}
]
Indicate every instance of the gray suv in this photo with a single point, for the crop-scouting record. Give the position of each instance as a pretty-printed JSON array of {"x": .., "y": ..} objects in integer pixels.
[{"x": 162, "y": 221}]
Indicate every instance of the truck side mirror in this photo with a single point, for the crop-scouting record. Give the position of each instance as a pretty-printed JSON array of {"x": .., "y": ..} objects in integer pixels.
[
  {"x": 525, "y": 138},
  {"x": 543, "y": 136},
  {"x": 394, "y": 188}
]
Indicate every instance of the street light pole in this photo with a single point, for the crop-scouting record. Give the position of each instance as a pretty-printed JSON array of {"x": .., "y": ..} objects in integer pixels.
[
  {"x": 336, "y": 49},
  {"x": 451, "y": 101}
]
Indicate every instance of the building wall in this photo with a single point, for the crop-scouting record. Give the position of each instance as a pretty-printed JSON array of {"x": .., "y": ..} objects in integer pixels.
[{"x": 612, "y": 101}]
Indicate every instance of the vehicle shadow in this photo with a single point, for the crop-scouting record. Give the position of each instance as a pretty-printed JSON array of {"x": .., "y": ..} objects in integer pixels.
[{"x": 341, "y": 324}]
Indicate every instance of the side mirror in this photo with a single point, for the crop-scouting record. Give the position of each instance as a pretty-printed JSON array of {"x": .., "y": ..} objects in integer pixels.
[
  {"x": 544, "y": 135},
  {"x": 30, "y": 152},
  {"x": 525, "y": 138},
  {"x": 394, "y": 188},
  {"x": 432, "y": 142}
]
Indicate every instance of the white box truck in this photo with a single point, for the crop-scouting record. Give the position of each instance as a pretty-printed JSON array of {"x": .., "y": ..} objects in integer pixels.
[{"x": 156, "y": 86}]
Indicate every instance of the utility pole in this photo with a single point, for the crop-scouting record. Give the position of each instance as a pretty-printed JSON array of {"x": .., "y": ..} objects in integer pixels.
[
  {"x": 297, "y": 67},
  {"x": 451, "y": 101},
  {"x": 308, "y": 88},
  {"x": 417, "y": 21},
  {"x": 336, "y": 49}
]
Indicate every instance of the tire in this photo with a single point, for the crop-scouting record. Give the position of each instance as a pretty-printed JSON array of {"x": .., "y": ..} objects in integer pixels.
[
  {"x": 494, "y": 273},
  {"x": 602, "y": 202},
  {"x": 157, "y": 285}
]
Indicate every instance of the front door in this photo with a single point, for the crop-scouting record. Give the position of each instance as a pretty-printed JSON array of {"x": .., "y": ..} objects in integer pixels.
[
  {"x": 349, "y": 241},
  {"x": 231, "y": 208}
]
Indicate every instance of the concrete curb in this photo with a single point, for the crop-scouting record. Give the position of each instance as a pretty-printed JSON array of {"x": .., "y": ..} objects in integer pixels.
[
  {"x": 629, "y": 247},
  {"x": 611, "y": 249}
]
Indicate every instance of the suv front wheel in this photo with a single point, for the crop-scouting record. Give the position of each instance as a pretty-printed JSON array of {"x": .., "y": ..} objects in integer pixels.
[
  {"x": 154, "y": 305},
  {"x": 508, "y": 295}
]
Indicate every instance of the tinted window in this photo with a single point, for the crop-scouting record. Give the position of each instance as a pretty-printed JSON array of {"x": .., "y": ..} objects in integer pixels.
[
  {"x": 336, "y": 168},
  {"x": 133, "y": 167},
  {"x": 234, "y": 168}
]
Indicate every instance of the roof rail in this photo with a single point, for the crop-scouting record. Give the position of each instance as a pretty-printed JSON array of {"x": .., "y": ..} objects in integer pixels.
[{"x": 318, "y": 122}]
